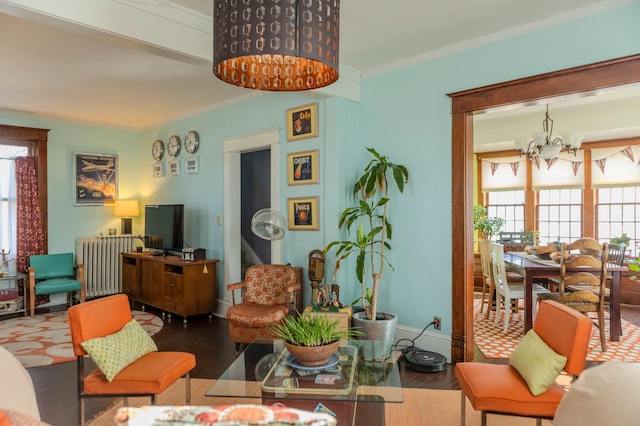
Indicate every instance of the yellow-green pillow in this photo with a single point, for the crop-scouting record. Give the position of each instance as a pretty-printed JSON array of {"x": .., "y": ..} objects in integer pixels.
[
  {"x": 537, "y": 363},
  {"x": 114, "y": 352}
]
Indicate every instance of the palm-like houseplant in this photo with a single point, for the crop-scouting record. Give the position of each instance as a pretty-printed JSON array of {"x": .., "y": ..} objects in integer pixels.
[{"x": 372, "y": 194}]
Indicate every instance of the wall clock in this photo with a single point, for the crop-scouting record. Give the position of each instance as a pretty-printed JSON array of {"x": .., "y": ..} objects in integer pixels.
[
  {"x": 191, "y": 141},
  {"x": 157, "y": 150},
  {"x": 173, "y": 146}
]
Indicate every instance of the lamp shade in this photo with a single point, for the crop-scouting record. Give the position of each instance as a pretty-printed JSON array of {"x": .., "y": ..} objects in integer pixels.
[
  {"x": 276, "y": 45},
  {"x": 126, "y": 208}
]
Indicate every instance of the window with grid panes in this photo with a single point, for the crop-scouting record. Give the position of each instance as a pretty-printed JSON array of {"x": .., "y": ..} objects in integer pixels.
[
  {"x": 508, "y": 205},
  {"x": 618, "y": 212},
  {"x": 559, "y": 215}
]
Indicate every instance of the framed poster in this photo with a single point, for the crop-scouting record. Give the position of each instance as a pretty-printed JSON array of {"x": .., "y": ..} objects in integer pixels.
[
  {"x": 96, "y": 178},
  {"x": 302, "y": 122},
  {"x": 158, "y": 170},
  {"x": 191, "y": 165},
  {"x": 303, "y": 214},
  {"x": 302, "y": 167}
]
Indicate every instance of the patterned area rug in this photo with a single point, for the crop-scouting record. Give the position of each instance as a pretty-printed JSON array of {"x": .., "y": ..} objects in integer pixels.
[
  {"x": 46, "y": 339},
  {"x": 493, "y": 343}
]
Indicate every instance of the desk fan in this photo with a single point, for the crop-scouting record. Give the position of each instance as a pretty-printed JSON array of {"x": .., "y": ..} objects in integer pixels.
[{"x": 268, "y": 224}]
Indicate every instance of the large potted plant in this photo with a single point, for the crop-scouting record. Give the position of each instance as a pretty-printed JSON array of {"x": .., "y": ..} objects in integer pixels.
[{"x": 372, "y": 192}]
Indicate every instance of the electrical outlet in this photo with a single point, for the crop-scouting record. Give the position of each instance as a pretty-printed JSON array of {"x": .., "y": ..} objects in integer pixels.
[{"x": 437, "y": 323}]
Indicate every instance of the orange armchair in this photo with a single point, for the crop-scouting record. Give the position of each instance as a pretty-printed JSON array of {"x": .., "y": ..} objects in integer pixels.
[
  {"x": 149, "y": 375},
  {"x": 268, "y": 295},
  {"x": 499, "y": 388}
]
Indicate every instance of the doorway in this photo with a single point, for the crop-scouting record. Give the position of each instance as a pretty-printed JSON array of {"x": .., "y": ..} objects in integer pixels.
[
  {"x": 572, "y": 81},
  {"x": 233, "y": 149}
]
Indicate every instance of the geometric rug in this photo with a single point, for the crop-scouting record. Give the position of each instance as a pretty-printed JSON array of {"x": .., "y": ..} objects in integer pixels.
[
  {"x": 493, "y": 343},
  {"x": 45, "y": 339}
]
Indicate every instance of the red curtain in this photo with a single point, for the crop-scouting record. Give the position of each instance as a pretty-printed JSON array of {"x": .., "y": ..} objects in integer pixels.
[{"x": 30, "y": 235}]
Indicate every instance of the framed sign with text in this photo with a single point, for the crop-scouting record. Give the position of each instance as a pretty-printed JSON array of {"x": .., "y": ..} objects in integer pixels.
[
  {"x": 303, "y": 214},
  {"x": 302, "y": 168}
]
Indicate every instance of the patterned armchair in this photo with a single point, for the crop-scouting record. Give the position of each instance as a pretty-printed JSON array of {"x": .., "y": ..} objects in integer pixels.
[{"x": 268, "y": 294}]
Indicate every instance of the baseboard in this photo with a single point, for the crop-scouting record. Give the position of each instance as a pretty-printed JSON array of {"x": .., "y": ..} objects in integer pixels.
[{"x": 430, "y": 341}]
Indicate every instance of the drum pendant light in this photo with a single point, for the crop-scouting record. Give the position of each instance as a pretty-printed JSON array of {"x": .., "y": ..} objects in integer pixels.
[{"x": 276, "y": 45}]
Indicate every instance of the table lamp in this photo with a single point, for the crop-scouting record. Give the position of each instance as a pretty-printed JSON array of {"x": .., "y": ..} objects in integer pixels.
[{"x": 126, "y": 209}]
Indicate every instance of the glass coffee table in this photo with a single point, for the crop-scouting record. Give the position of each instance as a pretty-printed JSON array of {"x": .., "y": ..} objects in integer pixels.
[{"x": 353, "y": 389}]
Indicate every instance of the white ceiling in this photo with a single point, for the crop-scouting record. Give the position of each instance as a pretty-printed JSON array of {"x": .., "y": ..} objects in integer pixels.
[{"x": 53, "y": 66}]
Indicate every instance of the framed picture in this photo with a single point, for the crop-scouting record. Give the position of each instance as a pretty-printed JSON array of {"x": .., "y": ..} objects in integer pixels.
[
  {"x": 174, "y": 167},
  {"x": 191, "y": 165},
  {"x": 302, "y": 167},
  {"x": 302, "y": 122},
  {"x": 303, "y": 214},
  {"x": 158, "y": 170},
  {"x": 96, "y": 178}
]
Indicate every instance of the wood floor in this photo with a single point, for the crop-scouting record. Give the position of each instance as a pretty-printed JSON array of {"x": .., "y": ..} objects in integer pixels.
[{"x": 209, "y": 341}]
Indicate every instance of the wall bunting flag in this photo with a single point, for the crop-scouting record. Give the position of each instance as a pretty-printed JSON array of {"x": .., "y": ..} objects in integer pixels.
[
  {"x": 494, "y": 167},
  {"x": 575, "y": 166},
  {"x": 536, "y": 161},
  {"x": 551, "y": 162},
  {"x": 601, "y": 164},
  {"x": 627, "y": 152},
  {"x": 514, "y": 168}
]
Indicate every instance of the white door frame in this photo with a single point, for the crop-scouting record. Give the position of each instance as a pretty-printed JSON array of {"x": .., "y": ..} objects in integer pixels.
[{"x": 232, "y": 149}]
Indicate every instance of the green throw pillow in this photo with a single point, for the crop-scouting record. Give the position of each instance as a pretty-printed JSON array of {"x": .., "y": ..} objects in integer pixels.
[
  {"x": 537, "y": 363},
  {"x": 114, "y": 352}
]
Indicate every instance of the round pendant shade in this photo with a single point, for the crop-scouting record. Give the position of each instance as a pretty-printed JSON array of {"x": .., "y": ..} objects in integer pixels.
[{"x": 276, "y": 45}]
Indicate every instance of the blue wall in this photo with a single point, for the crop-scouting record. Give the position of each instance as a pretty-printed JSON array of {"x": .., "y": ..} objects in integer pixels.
[{"x": 404, "y": 114}]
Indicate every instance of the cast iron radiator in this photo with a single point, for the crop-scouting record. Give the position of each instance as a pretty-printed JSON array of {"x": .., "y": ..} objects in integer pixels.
[{"x": 102, "y": 262}]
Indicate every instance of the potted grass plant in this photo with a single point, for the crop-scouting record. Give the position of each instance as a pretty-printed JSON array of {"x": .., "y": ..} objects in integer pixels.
[
  {"x": 310, "y": 339},
  {"x": 372, "y": 194}
]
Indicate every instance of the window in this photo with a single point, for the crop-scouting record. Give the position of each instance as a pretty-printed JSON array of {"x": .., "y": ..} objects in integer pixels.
[
  {"x": 8, "y": 203},
  {"x": 508, "y": 205},
  {"x": 559, "y": 215},
  {"x": 618, "y": 212}
]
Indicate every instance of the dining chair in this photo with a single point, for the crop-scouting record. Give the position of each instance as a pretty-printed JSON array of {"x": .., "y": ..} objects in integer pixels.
[
  {"x": 507, "y": 292},
  {"x": 580, "y": 289},
  {"x": 488, "y": 288},
  {"x": 501, "y": 389},
  {"x": 616, "y": 257},
  {"x": 487, "y": 275}
]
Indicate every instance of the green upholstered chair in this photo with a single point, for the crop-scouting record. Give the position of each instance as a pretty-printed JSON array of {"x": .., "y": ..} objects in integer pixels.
[{"x": 54, "y": 273}]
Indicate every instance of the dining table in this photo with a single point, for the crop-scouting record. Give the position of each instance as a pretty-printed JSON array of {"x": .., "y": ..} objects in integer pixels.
[{"x": 534, "y": 268}]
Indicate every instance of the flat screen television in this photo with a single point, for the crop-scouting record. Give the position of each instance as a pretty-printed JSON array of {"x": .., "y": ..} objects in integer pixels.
[{"x": 164, "y": 227}]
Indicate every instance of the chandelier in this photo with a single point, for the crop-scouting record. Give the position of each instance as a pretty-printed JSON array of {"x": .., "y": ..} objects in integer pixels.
[
  {"x": 276, "y": 45},
  {"x": 545, "y": 144}
]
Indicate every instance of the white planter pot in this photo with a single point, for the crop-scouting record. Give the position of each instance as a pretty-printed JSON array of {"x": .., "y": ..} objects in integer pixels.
[{"x": 379, "y": 333}]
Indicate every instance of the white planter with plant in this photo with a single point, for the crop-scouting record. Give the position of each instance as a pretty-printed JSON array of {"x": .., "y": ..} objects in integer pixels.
[{"x": 372, "y": 194}]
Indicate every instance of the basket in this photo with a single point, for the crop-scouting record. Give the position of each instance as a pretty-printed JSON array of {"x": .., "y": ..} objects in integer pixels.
[
  {"x": 542, "y": 252},
  {"x": 12, "y": 305}
]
